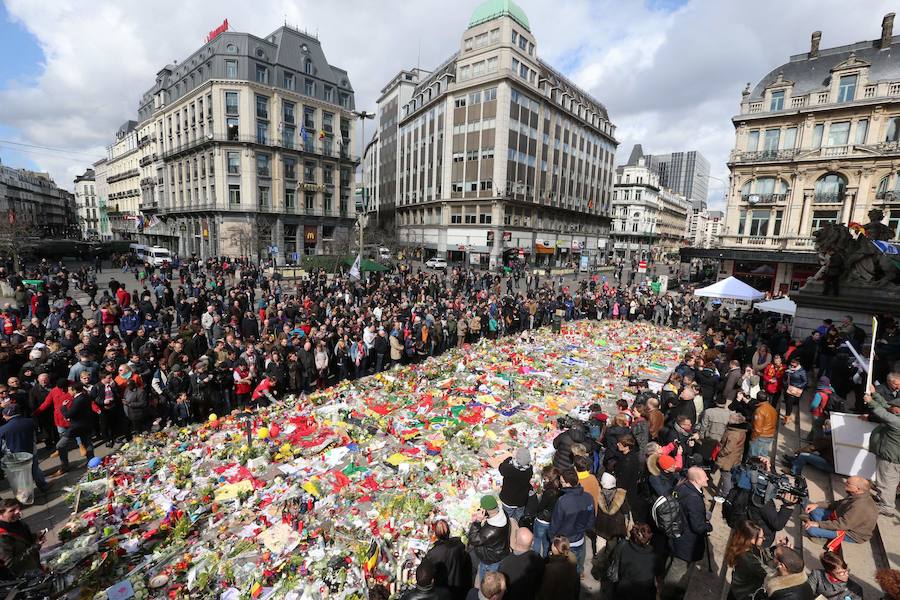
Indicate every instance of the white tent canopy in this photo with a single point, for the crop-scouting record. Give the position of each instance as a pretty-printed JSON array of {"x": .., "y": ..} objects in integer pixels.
[
  {"x": 732, "y": 288},
  {"x": 782, "y": 306}
]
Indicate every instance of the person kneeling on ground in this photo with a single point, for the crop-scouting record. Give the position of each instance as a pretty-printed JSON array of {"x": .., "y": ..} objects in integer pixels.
[{"x": 857, "y": 514}]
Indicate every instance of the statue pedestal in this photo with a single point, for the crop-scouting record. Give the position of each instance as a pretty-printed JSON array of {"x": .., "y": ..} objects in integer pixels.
[{"x": 859, "y": 301}]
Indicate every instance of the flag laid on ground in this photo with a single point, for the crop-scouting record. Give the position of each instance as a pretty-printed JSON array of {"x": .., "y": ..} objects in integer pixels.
[{"x": 354, "y": 270}]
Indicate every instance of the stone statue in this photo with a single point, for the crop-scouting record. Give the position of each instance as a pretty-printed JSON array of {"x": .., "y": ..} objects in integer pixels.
[{"x": 853, "y": 258}]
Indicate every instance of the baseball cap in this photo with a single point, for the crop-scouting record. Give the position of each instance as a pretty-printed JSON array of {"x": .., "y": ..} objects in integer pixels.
[{"x": 488, "y": 502}]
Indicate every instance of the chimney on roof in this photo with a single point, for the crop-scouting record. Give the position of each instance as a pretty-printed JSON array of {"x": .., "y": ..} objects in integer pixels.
[
  {"x": 814, "y": 44},
  {"x": 887, "y": 31}
]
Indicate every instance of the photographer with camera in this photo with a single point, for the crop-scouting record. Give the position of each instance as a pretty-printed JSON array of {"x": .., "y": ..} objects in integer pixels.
[{"x": 753, "y": 495}]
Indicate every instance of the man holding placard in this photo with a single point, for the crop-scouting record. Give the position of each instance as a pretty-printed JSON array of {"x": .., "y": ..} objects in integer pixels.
[{"x": 885, "y": 445}]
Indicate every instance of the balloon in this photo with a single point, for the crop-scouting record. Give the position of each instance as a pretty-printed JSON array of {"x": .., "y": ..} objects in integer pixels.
[
  {"x": 212, "y": 418},
  {"x": 95, "y": 462},
  {"x": 262, "y": 433}
]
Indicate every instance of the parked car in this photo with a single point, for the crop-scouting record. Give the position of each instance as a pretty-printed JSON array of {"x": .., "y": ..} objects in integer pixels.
[{"x": 436, "y": 263}]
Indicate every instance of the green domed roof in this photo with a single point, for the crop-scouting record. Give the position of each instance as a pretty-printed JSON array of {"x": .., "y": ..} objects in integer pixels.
[{"x": 491, "y": 9}]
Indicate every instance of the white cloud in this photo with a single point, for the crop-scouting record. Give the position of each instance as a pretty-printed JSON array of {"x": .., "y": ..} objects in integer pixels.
[{"x": 670, "y": 80}]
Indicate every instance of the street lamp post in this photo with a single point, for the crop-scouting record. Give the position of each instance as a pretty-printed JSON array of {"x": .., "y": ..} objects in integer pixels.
[{"x": 361, "y": 217}]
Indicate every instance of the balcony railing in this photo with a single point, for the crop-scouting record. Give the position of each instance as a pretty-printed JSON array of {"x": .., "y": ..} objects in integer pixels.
[
  {"x": 888, "y": 195},
  {"x": 763, "y": 155},
  {"x": 319, "y": 149},
  {"x": 244, "y": 206},
  {"x": 829, "y": 198},
  {"x": 772, "y": 242},
  {"x": 764, "y": 198},
  {"x": 123, "y": 175}
]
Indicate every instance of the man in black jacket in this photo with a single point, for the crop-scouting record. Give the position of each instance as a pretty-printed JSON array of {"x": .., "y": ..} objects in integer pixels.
[
  {"x": 452, "y": 565},
  {"x": 107, "y": 396},
  {"x": 81, "y": 422},
  {"x": 489, "y": 535},
  {"x": 690, "y": 546},
  {"x": 524, "y": 568},
  {"x": 426, "y": 588}
]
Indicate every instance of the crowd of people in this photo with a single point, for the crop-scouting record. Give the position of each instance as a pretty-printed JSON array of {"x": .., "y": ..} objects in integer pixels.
[
  {"x": 174, "y": 344},
  {"x": 630, "y": 492}
]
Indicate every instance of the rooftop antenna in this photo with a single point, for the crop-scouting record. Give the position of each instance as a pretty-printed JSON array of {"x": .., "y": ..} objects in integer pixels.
[{"x": 419, "y": 56}]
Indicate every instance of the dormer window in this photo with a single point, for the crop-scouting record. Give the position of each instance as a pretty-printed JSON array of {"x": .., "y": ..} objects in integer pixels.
[
  {"x": 777, "y": 101},
  {"x": 847, "y": 88}
]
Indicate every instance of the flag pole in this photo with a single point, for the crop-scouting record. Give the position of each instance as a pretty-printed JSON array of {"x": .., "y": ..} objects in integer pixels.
[{"x": 872, "y": 356}]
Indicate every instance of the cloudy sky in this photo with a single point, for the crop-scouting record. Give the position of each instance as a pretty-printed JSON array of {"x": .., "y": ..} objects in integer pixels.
[{"x": 669, "y": 71}]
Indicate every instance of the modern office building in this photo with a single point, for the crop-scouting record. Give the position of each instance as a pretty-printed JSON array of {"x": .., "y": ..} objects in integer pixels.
[
  {"x": 649, "y": 221},
  {"x": 499, "y": 156},
  {"x": 382, "y": 151},
  {"x": 243, "y": 148},
  {"x": 32, "y": 204},
  {"x": 86, "y": 205},
  {"x": 685, "y": 173},
  {"x": 817, "y": 141}
]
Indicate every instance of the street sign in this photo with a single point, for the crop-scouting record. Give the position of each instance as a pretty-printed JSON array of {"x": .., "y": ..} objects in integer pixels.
[{"x": 642, "y": 266}]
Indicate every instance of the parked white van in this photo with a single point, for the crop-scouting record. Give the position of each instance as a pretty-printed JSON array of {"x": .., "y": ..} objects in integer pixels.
[{"x": 154, "y": 255}]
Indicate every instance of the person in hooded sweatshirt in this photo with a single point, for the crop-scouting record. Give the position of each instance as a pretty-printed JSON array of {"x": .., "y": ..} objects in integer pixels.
[
  {"x": 516, "y": 472},
  {"x": 573, "y": 515}
]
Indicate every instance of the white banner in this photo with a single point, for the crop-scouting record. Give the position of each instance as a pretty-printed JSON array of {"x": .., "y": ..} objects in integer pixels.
[{"x": 850, "y": 437}]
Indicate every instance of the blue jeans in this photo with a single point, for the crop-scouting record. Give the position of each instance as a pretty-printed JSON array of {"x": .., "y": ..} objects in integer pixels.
[
  {"x": 541, "y": 543},
  {"x": 486, "y": 568},
  {"x": 514, "y": 512},
  {"x": 761, "y": 446},
  {"x": 579, "y": 554},
  {"x": 814, "y": 460},
  {"x": 819, "y": 515},
  {"x": 38, "y": 474}
]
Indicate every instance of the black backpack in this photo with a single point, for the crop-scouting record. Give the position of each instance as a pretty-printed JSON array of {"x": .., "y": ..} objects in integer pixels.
[
  {"x": 667, "y": 516},
  {"x": 835, "y": 404},
  {"x": 736, "y": 506}
]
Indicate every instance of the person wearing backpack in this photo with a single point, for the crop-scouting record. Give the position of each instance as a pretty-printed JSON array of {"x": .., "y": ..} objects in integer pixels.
[
  {"x": 819, "y": 406},
  {"x": 690, "y": 545}
]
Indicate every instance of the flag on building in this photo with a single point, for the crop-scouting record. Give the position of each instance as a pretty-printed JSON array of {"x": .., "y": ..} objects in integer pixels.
[
  {"x": 139, "y": 223},
  {"x": 322, "y": 134},
  {"x": 354, "y": 270},
  {"x": 304, "y": 135}
]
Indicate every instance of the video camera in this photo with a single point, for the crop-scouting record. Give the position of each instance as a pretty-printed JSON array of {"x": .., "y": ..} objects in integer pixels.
[{"x": 768, "y": 486}]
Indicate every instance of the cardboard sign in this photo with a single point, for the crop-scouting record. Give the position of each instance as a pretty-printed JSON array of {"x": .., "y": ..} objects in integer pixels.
[{"x": 850, "y": 437}]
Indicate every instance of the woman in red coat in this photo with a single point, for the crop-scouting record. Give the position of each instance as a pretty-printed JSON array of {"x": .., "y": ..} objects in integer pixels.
[{"x": 773, "y": 377}]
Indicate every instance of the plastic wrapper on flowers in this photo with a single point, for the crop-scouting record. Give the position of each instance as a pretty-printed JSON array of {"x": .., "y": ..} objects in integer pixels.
[{"x": 322, "y": 496}]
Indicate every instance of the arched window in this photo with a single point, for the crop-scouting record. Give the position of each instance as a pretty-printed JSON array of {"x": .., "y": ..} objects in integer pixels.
[
  {"x": 831, "y": 188},
  {"x": 888, "y": 187},
  {"x": 765, "y": 190}
]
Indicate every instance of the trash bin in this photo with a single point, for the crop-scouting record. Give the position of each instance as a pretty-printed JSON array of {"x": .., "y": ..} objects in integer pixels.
[
  {"x": 556, "y": 323},
  {"x": 17, "y": 469}
]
